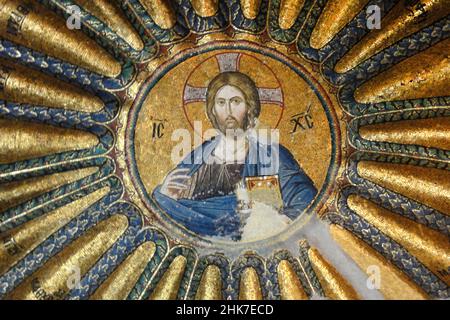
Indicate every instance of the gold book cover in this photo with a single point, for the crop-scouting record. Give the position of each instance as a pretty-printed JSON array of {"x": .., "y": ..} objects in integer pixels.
[{"x": 265, "y": 189}]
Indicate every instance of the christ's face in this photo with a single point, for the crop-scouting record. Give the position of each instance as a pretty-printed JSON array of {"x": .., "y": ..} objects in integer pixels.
[{"x": 230, "y": 109}]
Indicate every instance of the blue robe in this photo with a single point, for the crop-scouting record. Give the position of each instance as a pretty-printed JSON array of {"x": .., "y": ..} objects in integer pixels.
[{"x": 217, "y": 216}]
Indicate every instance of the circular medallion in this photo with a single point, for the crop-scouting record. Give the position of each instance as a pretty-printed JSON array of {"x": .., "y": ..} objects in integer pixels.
[{"x": 238, "y": 203}]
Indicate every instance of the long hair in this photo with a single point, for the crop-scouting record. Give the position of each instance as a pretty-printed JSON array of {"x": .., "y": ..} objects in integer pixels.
[{"x": 243, "y": 83}]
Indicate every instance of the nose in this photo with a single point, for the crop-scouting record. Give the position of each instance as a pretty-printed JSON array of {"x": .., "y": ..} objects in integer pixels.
[{"x": 228, "y": 107}]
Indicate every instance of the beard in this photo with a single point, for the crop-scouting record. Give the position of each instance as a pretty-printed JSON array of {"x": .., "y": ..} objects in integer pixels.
[{"x": 231, "y": 125}]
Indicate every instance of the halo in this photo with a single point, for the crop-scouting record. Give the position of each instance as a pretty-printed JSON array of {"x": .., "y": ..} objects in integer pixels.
[{"x": 268, "y": 85}]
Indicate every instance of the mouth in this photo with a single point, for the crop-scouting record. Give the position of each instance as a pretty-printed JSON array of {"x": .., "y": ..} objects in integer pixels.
[{"x": 230, "y": 121}]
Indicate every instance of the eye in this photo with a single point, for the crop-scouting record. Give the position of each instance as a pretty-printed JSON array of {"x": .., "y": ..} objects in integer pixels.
[
  {"x": 236, "y": 100},
  {"x": 220, "y": 102}
]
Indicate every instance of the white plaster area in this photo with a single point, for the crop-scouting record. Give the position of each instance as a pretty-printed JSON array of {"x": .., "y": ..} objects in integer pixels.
[{"x": 318, "y": 236}]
